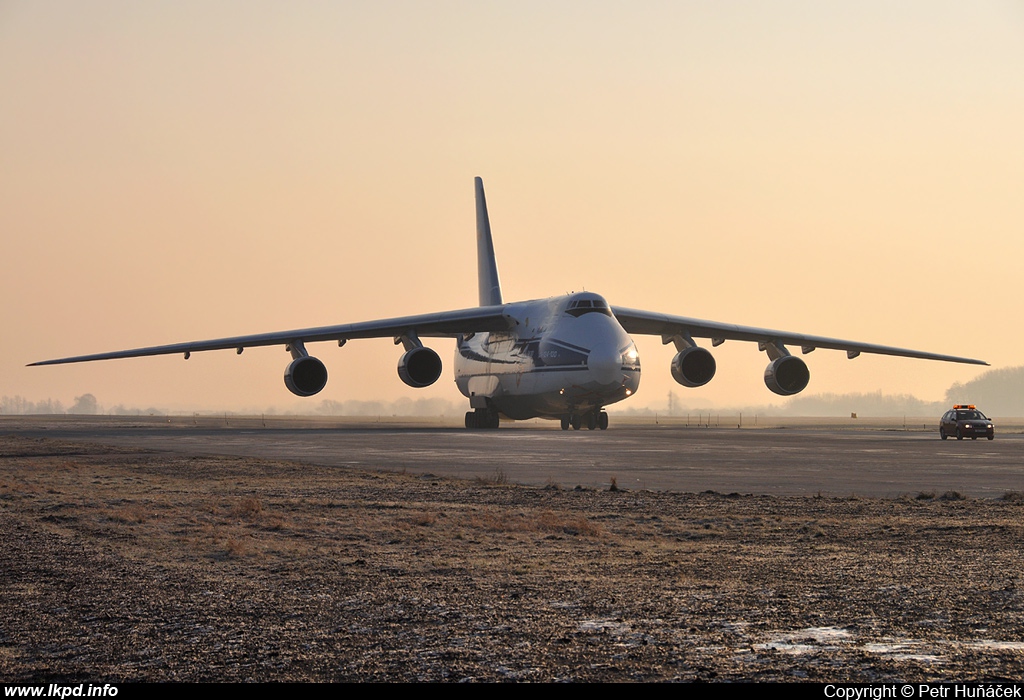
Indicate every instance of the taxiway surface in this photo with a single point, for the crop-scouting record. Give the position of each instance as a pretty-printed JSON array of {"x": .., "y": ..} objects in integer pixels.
[{"x": 797, "y": 461}]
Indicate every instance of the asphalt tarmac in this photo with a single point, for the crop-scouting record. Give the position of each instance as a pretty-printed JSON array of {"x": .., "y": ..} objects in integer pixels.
[{"x": 801, "y": 461}]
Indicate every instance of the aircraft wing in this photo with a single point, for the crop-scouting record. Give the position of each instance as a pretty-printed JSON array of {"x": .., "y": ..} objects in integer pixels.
[
  {"x": 665, "y": 325},
  {"x": 436, "y": 325}
]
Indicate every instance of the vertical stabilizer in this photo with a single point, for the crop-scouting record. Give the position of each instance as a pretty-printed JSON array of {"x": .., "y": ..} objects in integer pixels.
[{"x": 486, "y": 267}]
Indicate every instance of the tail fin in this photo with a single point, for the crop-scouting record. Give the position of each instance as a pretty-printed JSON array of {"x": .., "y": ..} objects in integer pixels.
[{"x": 486, "y": 267}]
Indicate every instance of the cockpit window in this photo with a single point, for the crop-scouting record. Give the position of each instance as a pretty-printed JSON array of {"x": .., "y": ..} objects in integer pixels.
[{"x": 578, "y": 307}]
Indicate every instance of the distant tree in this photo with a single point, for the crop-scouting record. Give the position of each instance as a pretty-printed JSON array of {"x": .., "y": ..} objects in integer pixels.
[
  {"x": 998, "y": 392},
  {"x": 49, "y": 407},
  {"x": 329, "y": 407},
  {"x": 13, "y": 405},
  {"x": 85, "y": 405}
]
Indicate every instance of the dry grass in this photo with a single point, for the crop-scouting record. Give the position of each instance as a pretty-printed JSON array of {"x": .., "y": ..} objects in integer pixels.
[
  {"x": 496, "y": 520},
  {"x": 248, "y": 508},
  {"x": 424, "y": 519},
  {"x": 237, "y": 547},
  {"x": 135, "y": 513}
]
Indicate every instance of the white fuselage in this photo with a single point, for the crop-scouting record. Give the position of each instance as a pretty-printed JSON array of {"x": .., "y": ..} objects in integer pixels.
[{"x": 563, "y": 355}]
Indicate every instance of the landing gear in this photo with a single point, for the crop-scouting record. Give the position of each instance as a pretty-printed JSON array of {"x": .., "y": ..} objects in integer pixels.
[
  {"x": 594, "y": 420},
  {"x": 482, "y": 419}
]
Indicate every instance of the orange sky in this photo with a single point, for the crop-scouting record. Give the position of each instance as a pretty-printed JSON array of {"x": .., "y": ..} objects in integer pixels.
[{"x": 175, "y": 171}]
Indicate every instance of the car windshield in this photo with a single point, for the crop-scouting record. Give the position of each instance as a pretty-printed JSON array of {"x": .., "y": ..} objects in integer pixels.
[{"x": 970, "y": 415}]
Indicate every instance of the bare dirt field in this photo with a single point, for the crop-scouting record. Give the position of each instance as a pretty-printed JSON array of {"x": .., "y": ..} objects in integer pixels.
[{"x": 125, "y": 565}]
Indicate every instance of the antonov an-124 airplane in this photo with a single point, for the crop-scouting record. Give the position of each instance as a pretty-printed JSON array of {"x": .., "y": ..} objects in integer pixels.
[{"x": 563, "y": 358}]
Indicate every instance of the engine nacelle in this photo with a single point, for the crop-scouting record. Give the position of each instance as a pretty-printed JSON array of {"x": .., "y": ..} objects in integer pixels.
[
  {"x": 787, "y": 375},
  {"x": 419, "y": 367},
  {"x": 305, "y": 376},
  {"x": 693, "y": 366}
]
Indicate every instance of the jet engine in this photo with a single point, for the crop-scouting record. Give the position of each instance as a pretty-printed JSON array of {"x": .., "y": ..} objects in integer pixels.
[
  {"x": 305, "y": 376},
  {"x": 693, "y": 366},
  {"x": 419, "y": 367},
  {"x": 787, "y": 375}
]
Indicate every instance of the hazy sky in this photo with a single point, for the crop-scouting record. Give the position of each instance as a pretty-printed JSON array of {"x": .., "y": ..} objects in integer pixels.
[{"x": 175, "y": 171}]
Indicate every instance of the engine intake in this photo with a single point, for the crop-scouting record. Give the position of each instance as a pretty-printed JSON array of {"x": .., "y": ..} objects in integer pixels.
[
  {"x": 305, "y": 376},
  {"x": 693, "y": 366},
  {"x": 419, "y": 367},
  {"x": 787, "y": 375}
]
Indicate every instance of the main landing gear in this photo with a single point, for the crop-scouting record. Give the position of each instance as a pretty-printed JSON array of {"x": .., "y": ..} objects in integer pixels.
[
  {"x": 482, "y": 419},
  {"x": 593, "y": 420}
]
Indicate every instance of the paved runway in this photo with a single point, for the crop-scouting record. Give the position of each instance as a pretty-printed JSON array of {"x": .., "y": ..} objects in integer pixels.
[{"x": 791, "y": 461}]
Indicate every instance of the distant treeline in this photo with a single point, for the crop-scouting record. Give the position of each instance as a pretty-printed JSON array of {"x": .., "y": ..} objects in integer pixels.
[
  {"x": 402, "y": 407},
  {"x": 873, "y": 405},
  {"x": 20, "y": 406},
  {"x": 84, "y": 405}
]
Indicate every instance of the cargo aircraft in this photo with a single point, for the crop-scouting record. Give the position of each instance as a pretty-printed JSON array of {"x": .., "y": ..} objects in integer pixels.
[{"x": 564, "y": 358}]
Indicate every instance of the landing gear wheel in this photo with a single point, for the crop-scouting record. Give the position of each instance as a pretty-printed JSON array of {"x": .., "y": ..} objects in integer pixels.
[
  {"x": 602, "y": 420},
  {"x": 565, "y": 422},
  {"x": 575, "y": 421},
  {"x": 591, "y": 421},
  {"x": 942, "y": 434},
  {"x": 482, "y": 419}
]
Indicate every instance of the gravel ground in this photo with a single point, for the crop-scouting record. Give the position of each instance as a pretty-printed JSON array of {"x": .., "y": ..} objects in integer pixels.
[{"x": 123, "y": 565}]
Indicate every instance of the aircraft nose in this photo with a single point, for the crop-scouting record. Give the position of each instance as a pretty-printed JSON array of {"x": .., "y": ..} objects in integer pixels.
[{"x": 605, "y": 364}]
